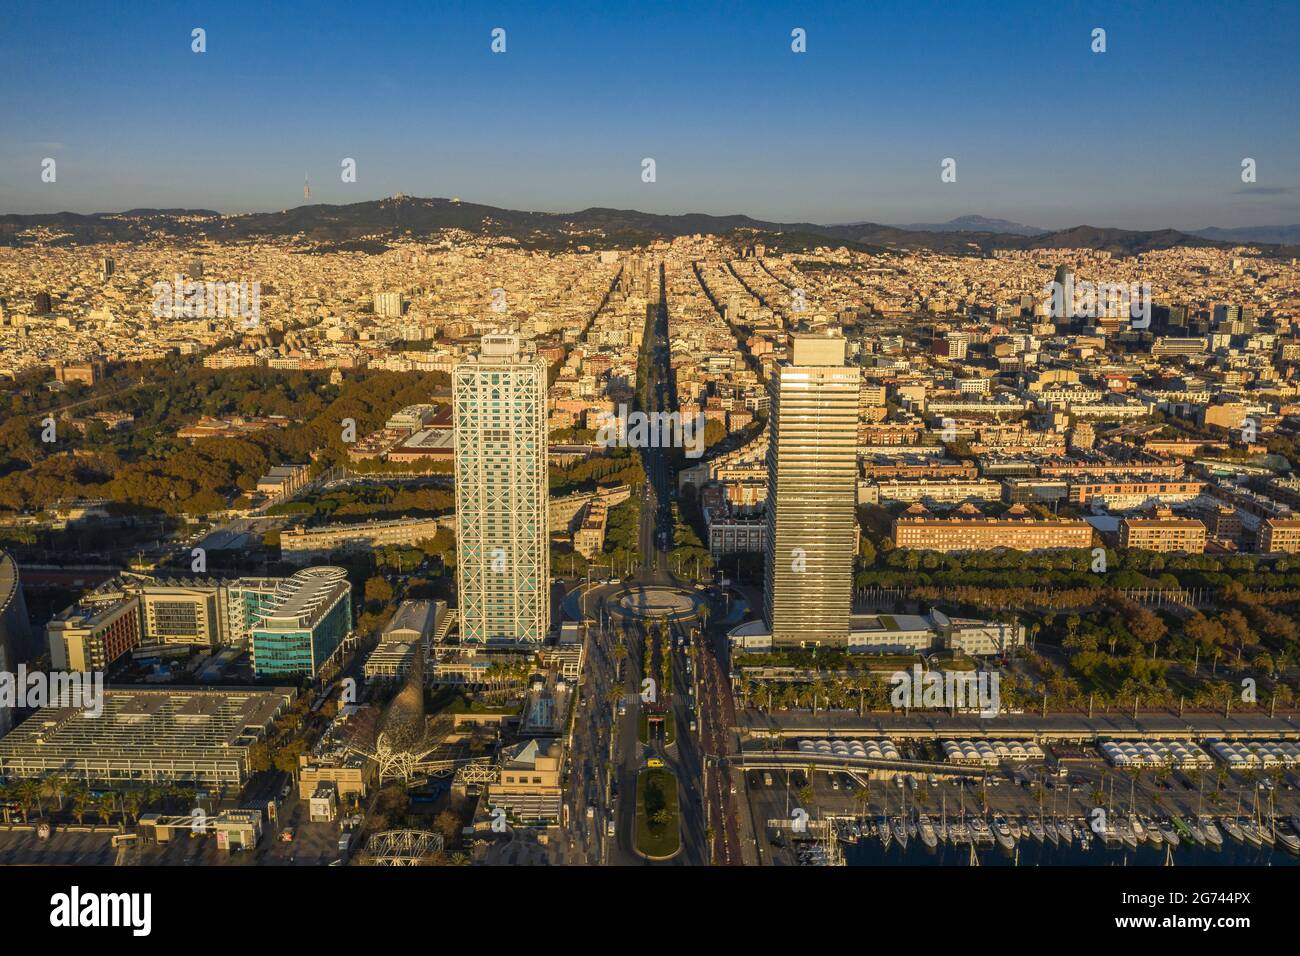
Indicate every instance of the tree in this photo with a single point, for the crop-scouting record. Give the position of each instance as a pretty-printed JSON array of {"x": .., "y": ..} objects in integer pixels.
[
  {"x": 449, "y": 825},
  {"x": 378, "y": 590},
  {"x": 1147, "y": 627}
]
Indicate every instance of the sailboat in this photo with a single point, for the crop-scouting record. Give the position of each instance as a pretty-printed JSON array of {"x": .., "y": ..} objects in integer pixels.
[
  {"x": 1256, "y": 834},
  {"x": 1053, "y": 835},
  {"x": 900, "y": 831},
  {"x": 1002, "y": 833},
  {"x": 943, "y": 821},
  {"x": 1171, "y": 836},
  {"x": 1250, "y": 832},
  {"x": 1127, "y": 834},
  {"x": 1051, "y": 824},
  {"x": 1189, "y": 829},
  {"x": 1212, "y": 835},
  {"x": 1231, "y": 827},
  {"x": 926, "y": 828},
  {"x": 1036, "y": 829},
  {"x": 900, "y": 823},
  {"x": 1138, "y": 828},
  {"x": 1286, "y": 835},
  {"x": 1135, "y": 829},
  {"x": 1267, "y": 825},
  {"x": 886, "y": 836}
]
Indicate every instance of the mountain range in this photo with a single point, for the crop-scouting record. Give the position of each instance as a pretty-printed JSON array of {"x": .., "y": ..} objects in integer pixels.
[{"x": 371, "y": 224}]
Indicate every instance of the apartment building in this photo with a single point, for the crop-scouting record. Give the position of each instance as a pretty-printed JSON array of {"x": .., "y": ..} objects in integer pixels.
[
  {"x": 91, "y": 637},
  {"x": 1163, "y": 531},
  {"x": 589, "y": 537},
  {"x": 302, "y": 545},
  {"x": 1279, "y": 535},
  {"x": 968, "y": 529}
]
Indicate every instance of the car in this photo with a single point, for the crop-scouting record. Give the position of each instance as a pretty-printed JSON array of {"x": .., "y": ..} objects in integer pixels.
[
  {"x": 654, "y": 763},
  {"x": 591, "y": 812},
  {"x": 609, "y": 826},
  {"x": 286, "y": 835}
]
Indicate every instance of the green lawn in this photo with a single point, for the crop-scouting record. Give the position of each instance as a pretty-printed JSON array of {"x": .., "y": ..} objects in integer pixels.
[{"x": 656, "y": 791}]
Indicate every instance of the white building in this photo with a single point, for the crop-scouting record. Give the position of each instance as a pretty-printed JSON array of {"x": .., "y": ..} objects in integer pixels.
[{"x": 502, "y": 539}]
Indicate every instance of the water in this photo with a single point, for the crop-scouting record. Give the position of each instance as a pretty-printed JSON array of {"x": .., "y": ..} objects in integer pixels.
[{"x": 869, "y": 852}]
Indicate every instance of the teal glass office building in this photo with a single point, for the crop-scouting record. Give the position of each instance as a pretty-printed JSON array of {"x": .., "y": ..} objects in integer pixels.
[{"x": 298, "y": 631}]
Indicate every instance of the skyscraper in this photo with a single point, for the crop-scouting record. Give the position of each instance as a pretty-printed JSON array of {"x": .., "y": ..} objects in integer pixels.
[
  {"x": 15, "y": 635},
  {"x": 811, "y": 492},
  {"x": 388, "y": 304},
  {"x": 502, "y": 534}
]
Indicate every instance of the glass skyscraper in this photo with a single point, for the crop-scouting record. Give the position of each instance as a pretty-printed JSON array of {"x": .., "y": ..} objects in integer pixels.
[{"x": 811, "y": 493}]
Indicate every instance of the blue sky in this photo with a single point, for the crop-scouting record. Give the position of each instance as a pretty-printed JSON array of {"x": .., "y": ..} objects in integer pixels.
[{"x": 1149, "y": 134}]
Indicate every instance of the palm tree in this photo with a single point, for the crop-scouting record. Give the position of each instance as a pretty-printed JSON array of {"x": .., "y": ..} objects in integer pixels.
[
  {"x": 131, "y": 804},
  {"x": 80, "y": 804},
  {"x": 106, "y": 806},
  {"x": 818, "y": 691},
  {"x": 29, "y": 794},
  {"x": 56, "y": 787}
]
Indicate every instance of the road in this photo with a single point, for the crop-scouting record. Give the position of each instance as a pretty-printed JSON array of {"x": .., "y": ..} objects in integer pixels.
[{"x": 699, "y": 689}]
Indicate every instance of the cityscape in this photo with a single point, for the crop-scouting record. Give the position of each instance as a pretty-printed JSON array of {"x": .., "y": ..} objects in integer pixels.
[{"x": 438, "y": 530}]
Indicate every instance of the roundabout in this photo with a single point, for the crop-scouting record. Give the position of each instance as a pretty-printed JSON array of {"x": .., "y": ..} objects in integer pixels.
[
  {"x": 654, "y": 603},
  {"x": 673, "y": 604},
  {"x": 637, "y": 602}
]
